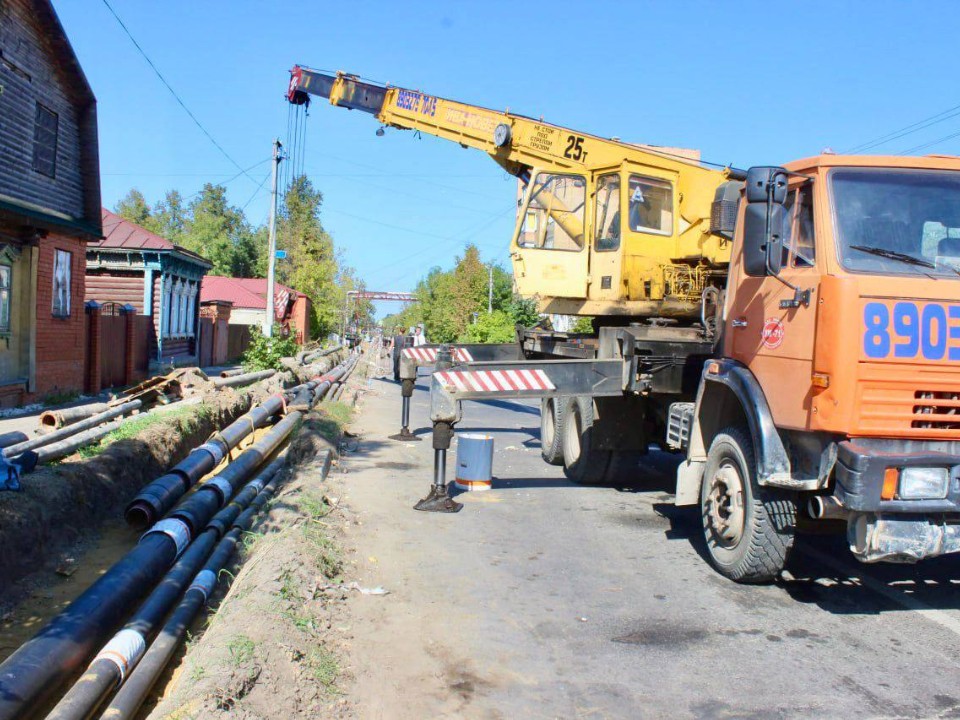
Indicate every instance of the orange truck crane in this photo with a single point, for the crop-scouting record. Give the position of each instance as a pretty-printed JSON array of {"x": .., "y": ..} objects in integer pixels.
[{"x": 795, "y": 334}]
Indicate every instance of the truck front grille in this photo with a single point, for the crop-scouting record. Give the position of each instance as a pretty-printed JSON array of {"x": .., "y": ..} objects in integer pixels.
[{"x": 936, "y": 409}]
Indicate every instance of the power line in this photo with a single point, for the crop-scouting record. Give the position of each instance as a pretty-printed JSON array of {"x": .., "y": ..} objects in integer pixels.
[
  {"x": 174, "y": 92},
  {"x": 243, "y": 171},
  {"x": 255, "y": 192},
  {"x": 924, "y": 146},
  {"x": 907, "y": 130}
]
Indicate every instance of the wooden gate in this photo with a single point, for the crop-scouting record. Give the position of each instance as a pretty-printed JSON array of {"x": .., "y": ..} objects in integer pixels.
[
  {"x": 206, "y": 342},
  {"x": 113, "y": 342}
]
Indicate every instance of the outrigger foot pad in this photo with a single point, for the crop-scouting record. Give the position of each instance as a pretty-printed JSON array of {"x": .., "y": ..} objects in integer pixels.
[
  {"x": 438, "y": 501},
  {"x": 405, "y": 436}
]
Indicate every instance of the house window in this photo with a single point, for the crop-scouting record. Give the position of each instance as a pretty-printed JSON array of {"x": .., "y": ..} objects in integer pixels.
[
  {"x": 6, "y": 272},
  {"x": 192, "y": 310},
  {"x": 45, "y": 131},
  {"x": 61, "y": 283},
  {"x": 165, "y": 312}
]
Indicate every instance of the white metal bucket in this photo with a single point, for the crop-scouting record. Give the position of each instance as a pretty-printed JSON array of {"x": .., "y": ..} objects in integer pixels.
[{"x": 474, "y": 461}]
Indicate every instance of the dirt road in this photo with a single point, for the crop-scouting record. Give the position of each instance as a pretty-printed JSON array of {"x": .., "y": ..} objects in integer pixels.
[{"x": 542, "y": 599}]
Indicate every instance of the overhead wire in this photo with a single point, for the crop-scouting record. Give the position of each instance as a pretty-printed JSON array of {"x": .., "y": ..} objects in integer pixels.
[
  {"x": 931, "y": 143},
  {"x": 231, "y": 179},
  {"x": 907, "y": 130},
  {"x": 174, "y": 92},
  {"x": 256, "y": 192}
]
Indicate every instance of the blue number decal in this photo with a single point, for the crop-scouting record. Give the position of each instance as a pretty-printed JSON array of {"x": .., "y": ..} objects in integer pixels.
[
  {"x": 934, "y": 315},
  {"x": 909, "y": 331},
  {"x": 906, "y": 323},
  {"x": 876, "y": 338},
  {"x": 954, "y": 333}
]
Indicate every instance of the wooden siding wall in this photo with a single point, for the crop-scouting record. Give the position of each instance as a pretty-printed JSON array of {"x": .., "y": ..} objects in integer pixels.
[
  {"x": 30, "y": 73},
  {"x": 111, "y": 286}
]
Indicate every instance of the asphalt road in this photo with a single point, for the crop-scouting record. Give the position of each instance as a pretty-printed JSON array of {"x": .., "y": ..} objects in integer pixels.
[{"x": 542, "y": 599}]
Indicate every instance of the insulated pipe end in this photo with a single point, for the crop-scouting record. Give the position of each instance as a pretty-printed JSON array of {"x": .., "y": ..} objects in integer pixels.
[
  {"x": 139, "y": 515},
  {"x": 48, "y": 420}
]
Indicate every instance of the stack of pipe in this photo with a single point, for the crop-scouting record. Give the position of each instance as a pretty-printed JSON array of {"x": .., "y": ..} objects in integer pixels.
[
  {"x": 31, "y": 676},
  {"x": 159, "y": 496},
  {"x": 71, "y": 430},
  {"x": 115, "y": 661}
]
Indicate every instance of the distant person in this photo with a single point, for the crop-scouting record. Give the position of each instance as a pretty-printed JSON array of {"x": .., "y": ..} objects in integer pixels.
[
  {"x": 396, "y": 350},
  {"x": 418, "y": 337}
]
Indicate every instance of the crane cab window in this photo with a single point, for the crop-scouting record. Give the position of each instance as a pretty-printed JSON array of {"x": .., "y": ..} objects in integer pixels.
[
  {"x": 554, "y": 217},
  {"x": 608, "y": 213},
  {"x": 651, "y": 205}
]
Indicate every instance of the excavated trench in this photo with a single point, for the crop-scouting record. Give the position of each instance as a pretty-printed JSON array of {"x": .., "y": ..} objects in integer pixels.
[{"x": 66, "y": 528}]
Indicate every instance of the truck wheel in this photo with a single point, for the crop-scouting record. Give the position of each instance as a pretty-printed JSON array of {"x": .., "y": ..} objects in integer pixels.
[
  {"x": 551, "y": 433},
  {"x": 581, "y": 463},
  {"x": 748, "y": 528}
]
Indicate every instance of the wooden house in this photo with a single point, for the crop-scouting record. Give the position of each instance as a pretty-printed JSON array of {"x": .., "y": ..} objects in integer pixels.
[
  {"x": 49, "y": 203},
  {"x": 133, "y": 266}
]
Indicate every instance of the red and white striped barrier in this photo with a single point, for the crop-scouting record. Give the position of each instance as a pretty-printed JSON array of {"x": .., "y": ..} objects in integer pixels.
[
  {"x": 494, "y": 381},
  {"x": 429, "y": 355}
]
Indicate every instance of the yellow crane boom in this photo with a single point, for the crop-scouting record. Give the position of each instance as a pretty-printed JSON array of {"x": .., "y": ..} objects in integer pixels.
[{"x": 604, "y": 227}]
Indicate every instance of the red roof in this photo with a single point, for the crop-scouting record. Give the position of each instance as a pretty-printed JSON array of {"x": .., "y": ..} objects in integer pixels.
[
  {"x": 242, "y": 292},
  {"x": 119, "y": 233}
]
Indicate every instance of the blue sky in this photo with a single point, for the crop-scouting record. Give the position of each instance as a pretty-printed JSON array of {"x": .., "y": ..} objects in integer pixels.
[{"x": 746, "y": 83}]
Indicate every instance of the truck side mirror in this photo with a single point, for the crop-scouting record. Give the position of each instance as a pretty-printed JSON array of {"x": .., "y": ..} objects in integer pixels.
[{"x": 764, "y": 221}]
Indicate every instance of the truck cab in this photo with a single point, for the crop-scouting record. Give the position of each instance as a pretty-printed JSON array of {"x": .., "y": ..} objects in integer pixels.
[{"x": 836, "y": 390}]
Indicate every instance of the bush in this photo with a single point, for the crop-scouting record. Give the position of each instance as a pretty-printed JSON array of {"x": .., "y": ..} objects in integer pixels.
[
  {"x": 495, "y": 327},
  {"x": 583, "y": 324},
  {"x": 265, "y": 353}
]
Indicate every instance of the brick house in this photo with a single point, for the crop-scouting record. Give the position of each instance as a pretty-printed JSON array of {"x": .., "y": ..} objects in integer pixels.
[
  {"x": 248, "y": 300},
  {"x": 49, "y": 203},
  {"x": 133, "y": 266}
]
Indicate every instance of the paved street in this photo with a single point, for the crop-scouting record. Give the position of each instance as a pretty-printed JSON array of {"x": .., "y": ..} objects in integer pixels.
[{"x": 542, "y": 599}]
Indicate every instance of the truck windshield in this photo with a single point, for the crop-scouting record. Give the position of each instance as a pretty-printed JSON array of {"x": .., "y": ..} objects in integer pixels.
[{"x": 903, "y": 222}]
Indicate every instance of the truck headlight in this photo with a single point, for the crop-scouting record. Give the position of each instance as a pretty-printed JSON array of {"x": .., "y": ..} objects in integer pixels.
[{"x": 923, "y": 483}]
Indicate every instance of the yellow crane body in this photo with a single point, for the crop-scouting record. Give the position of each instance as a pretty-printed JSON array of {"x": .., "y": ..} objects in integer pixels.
[{"x": 604, "y": 227}]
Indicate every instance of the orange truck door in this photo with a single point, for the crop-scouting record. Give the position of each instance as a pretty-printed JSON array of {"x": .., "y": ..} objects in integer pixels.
[{"x": 777, "y": 343}]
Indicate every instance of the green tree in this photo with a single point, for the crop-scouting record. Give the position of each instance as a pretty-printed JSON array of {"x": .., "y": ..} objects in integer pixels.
[
  {"x": 495, "y": 327},
  {"x": 215, "y": 229},
  {"x": 169, "y": 217},
  {"x": 311, "y": 265},
  {"x": 134, "y": 207}
]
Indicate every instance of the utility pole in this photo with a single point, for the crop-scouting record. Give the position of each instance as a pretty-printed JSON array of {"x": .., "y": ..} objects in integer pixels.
[
  {"x": 272, "y": 257},
  {"x": 490, "y": 291}
]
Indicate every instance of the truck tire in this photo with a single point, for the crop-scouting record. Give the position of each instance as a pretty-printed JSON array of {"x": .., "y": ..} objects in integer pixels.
[
  {"x": 749, "y": 529},
  {"x": 581, "y": 462},
  {"x": 551, "y": 430}
]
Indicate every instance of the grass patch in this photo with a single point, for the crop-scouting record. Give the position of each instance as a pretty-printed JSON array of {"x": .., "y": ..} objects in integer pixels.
[
  {"x": 324, "y": 667},
  {"x": 250, "y": 539},
  {"x": 288, "y": 587},
  {"x": 340, "y": 412},
  {"x": 187, "y": 420},
  {"x": 60, "y": 398},
  {"x": 241, "y": 649},
  {"x": 313, "y": 506},
  {"x": 324, "y": 550},
  {"x": 198, "y": 673}
]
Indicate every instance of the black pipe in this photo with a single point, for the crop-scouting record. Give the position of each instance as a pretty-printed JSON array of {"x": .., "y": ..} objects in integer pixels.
[
  {"x": 158, "y": 497},
  {"x": 135, "y": 690},
  {"x": 196, "y": 509},
  {"x": 35, "y": 671},
  {"x": 118, "y": 658}
]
